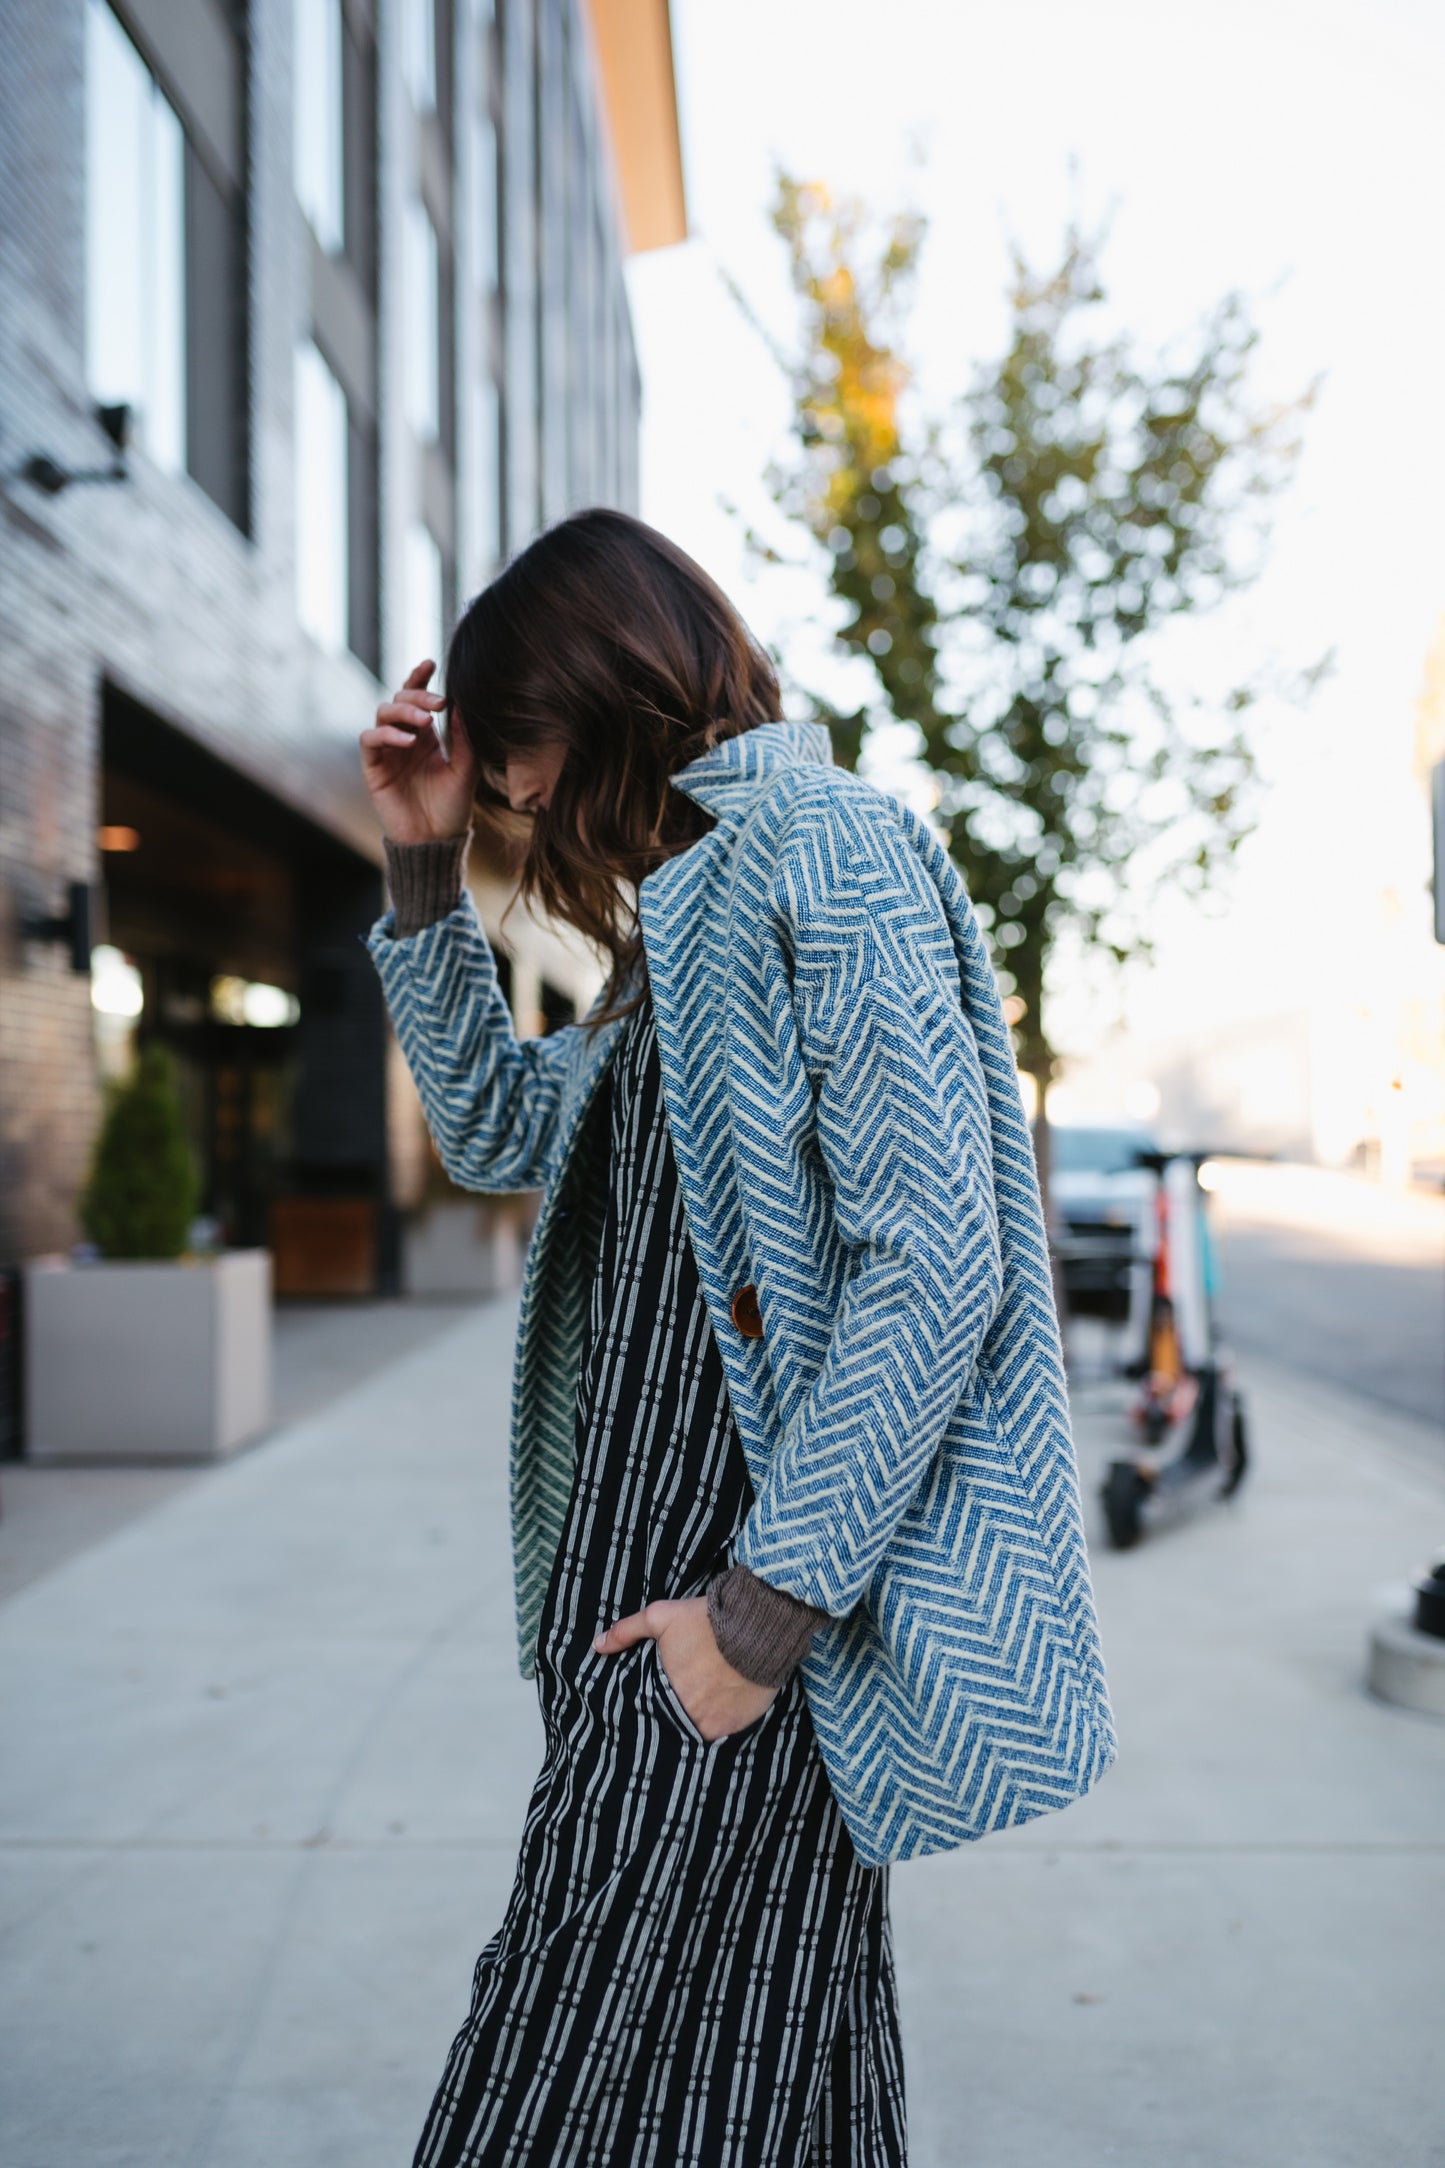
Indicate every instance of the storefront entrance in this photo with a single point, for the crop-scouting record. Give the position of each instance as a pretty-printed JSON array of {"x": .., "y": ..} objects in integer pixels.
[{"x": 241, "y": 918}]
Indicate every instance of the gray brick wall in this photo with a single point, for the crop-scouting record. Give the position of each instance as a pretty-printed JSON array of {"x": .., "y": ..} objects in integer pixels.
[{"x": 147, "y": 583}]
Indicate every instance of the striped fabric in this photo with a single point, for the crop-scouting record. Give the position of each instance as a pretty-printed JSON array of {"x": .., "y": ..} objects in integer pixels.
[
  {"x": 850, "y": 1140},
  {"x": 694, "y": 1966}
]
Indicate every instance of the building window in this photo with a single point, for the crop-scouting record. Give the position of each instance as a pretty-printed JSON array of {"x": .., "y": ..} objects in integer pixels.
[
  {"x": 317, "y": 113},
  {"x": 484, "y": 201},
  {"x": 359, "y": 151},
  {"x": 423, "y": 605},
  {"x": 581, "y": 270},
  {"x": 423, "y": 323},
  {"x": 419, "y": 52},
  {"x": 334, "y": 165},
  {"x": 485, "y": 480},
  {"x": 363, "y": 632},
  {"x": 551, "y": 263},
  {"x": 135, "y": 253},
  {"x": 322, "y": 515},
  {"x": 516, "y": 104},
  {"x": 166, "y": 242}
]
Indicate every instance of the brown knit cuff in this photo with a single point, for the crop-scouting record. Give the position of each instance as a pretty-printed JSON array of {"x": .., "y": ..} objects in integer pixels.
[
  {"x": 761, "y": 1632},
  {"x": 425, "y": 880}
]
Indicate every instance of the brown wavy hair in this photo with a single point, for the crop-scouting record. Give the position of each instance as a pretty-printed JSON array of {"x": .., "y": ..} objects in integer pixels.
[{"x": 606, "y": 639}]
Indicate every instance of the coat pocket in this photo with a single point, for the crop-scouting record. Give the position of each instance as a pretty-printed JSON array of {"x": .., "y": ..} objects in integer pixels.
[
  {"x": 663, "y": 1696},
  {"x": 659, "y": 1690}
]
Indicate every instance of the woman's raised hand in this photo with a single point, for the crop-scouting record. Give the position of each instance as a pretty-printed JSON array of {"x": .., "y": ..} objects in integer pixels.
[{"x": 421, "y": 789}]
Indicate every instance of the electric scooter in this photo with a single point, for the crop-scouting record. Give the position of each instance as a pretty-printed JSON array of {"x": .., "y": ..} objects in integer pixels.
[{"x": 1188, "y": 1413}]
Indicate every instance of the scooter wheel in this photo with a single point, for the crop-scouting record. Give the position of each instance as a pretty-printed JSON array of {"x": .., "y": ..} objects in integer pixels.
[
  {"x": 1239, "y": 1438},
  {"x": 1124, "y": 1492}
]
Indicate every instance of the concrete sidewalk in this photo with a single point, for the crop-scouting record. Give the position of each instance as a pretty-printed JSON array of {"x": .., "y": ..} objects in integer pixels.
[
  {"x": 49, "y": 1514},
  {"x": 266, "y": 1758}
]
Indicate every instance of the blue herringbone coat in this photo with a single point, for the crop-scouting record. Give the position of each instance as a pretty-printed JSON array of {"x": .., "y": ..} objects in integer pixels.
[{"x": 850, "y": 1141}]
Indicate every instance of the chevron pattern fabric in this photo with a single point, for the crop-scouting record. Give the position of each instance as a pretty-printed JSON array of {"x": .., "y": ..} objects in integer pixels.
[{"x": 851, "y": 1141}]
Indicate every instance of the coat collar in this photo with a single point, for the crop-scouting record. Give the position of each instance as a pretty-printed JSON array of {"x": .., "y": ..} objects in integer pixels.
[{"x": 725, "y": 780}]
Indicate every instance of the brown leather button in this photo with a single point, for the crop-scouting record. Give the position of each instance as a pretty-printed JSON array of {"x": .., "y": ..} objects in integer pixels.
[{"x": 746, "y": 1315}]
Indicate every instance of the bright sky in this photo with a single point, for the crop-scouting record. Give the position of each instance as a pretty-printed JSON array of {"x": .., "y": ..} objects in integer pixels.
[{"x": 1295, "y": 150}]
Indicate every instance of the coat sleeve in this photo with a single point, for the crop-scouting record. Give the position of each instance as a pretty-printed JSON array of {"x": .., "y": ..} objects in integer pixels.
[
  {"x": 902, "y": 1132},
  {"x": 492, "y": 1101}
]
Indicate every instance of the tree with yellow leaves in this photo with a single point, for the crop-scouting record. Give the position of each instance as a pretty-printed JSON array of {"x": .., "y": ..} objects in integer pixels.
[{"x": 1007, "y": 566}]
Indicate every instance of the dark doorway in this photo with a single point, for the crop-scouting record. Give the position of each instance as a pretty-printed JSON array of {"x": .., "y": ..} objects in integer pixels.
[{"x": 243, "y": 917}]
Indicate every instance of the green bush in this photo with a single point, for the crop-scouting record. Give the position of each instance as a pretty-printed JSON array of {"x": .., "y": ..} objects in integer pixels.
[{"x": 141, "y": 1195}]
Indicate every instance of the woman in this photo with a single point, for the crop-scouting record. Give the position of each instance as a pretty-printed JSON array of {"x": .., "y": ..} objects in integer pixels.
[{"x": 799, "y": 1563}]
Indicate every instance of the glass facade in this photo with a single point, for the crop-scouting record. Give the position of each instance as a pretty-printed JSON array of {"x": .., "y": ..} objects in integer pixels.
[
  {"x": 564, "y": 376},
  {"x": 517, "y": 381}
]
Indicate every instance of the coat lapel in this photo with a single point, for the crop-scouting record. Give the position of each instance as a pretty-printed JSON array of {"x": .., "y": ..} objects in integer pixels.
[
  {"x": 685, "y": 909},
  {"x": 684, "y": 929},
  {"x": 549, "y": 1345}
]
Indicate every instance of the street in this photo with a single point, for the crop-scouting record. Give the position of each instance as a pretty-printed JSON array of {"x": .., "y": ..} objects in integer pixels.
[
  {"x": 268, "y": 1758},
  {"x": 1336, "y": 1278}
]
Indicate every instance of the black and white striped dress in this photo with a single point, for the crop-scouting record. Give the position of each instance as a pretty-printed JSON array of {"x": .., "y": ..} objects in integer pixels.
[{"x": 694, "y": 1967}]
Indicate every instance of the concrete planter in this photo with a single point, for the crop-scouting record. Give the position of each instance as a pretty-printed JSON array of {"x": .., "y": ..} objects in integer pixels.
[
  {"x": 462, "y": 1249},
  {"x": 147, "y": 1362},
  {"x": 1406, "y": 1666}
]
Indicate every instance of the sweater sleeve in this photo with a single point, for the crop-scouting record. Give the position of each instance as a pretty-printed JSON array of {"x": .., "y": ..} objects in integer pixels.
[
  {"x": 425, "y": 880},
  {"x": 761, "y": 1632},
  {"x": 493, "y": 1102}
]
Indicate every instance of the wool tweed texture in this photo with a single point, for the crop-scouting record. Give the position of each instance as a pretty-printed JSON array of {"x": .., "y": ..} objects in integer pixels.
[{"x": 850, "y": 1140}]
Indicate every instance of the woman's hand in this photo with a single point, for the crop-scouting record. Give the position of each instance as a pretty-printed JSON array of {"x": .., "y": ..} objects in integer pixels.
[
  {"x": 422, "y": 790},
  {"x": 718, "y": 1699}
]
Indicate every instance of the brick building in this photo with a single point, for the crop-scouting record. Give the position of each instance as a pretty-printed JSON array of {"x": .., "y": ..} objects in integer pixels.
[{"x": 355, "y": 269}]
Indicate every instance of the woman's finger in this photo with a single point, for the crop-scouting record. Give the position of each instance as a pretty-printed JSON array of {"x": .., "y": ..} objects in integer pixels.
[
  {"x": 373, "y": 741},
  {"x": 422, "y": 671},
  {"x": 407, "y": 719},
  {"x": 641, "y": 1626},
  {"x": 402, "y": 711}
]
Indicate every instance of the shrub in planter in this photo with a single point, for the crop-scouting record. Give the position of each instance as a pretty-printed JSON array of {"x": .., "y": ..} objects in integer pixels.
[
  {"x": 142, "y": 1192},
  {"x": 147, "y": 1354}
]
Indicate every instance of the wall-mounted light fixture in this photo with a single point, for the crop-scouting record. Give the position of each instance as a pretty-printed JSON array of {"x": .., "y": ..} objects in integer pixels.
[
  {"x": 46, "y": 474},
  {"x": 78, "y": 925}
]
